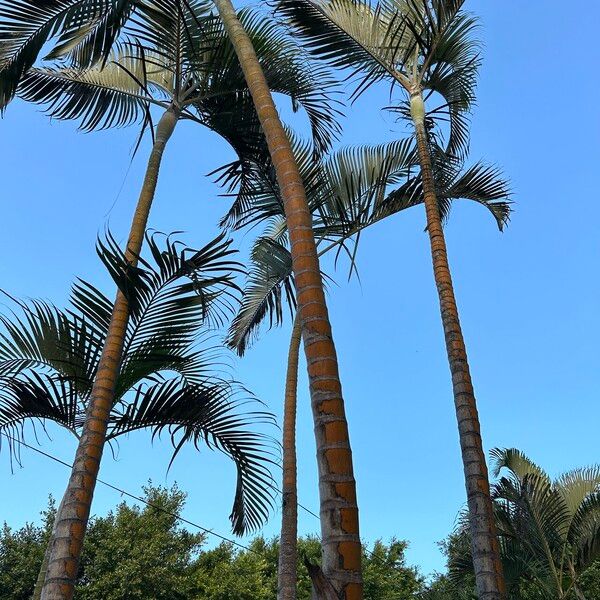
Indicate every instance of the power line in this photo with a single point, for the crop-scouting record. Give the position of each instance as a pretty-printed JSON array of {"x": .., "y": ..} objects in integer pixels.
[
  {"x": 159, "y": 508},
  {"x": 133, "y": 496}
]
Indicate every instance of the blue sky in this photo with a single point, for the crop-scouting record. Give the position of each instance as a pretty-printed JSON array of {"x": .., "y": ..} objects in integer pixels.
[{"x": 528, "y": 297}]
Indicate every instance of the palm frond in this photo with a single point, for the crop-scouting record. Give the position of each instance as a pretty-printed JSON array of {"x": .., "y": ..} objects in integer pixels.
[
  {"x": 49, "y": 340},
  {"x": 113, "y": 95},
  {"x": 484, "y": 184},
  {"x": 89, "y": 34},
  {"x": 270, "y": 282},
  {"x": 584, "y": 531},
  {"x": 368, "y": 38},
  {"x": 25, "y": 26},
  {"x": 37, "y": 398},
  {"x": 355, "y": 183},
  {"x": 257, "y": 194},
  {"x": 206, "y": 413},
  {"x": 223, "y": 103},
  {"x": 517, "y": 462}
]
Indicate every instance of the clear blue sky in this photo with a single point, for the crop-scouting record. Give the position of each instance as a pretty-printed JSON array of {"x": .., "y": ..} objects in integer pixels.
[{"x": 529, "y": 298}]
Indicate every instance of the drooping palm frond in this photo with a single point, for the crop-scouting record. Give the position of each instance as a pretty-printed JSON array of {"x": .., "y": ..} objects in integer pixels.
[
  {"x": 37, "y": 398},
  {"x": 270, "y": 282},
  {"x": 113, "y": 95},
  {"x": 480, "y": 183},
  {"x": 169, "y": 379},
  {"x": 25, "y": 26},
  {"x": 206, "y": 413}
]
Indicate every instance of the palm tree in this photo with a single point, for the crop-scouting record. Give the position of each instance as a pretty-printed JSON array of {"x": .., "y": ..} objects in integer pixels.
[
  {"x": 337, "y": 486},
  {"x": 176, "y": 56},
  {"x": 166, "y": 380},
  {"x": 348, "y": 192},
  {"x": 426, "y": 48},
  {"x": 549, "y": 529}
]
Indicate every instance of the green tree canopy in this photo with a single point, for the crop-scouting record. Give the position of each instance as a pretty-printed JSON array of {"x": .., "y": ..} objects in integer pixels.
[{"x": 145, "y": 553}]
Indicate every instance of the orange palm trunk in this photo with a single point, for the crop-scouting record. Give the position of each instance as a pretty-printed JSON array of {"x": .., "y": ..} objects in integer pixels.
[
  {"x": 484, "y": 540},
  {"x": 66, "y": 542},
  {"x": 339, "y": 510},
  {"x": 288, "y": 540}
]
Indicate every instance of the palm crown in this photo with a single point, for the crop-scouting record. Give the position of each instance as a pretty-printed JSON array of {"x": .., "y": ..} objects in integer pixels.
[
  {"x": 168, "y": 377},
  {"x": 425, "y": 46},
  {"x": 550, "y": 528},
  {"x": 169, "y": 54},
  {"x": 348, "y": 191}
]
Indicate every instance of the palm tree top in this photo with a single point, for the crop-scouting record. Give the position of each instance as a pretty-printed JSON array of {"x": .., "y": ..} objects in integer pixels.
[
  {"x": 170, "y": 379},
  {"x": 424, "y": 46},
  {"x": 348, "y": 191},
  {"x": 111, "y": 63}
]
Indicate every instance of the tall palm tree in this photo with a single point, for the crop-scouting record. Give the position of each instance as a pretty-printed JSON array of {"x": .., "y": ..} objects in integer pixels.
[
  {"x": 426, "y": 49},
  {"x": 549, "y": 529},
  {"x": 348, "y": 192},
  {"x": 337, "y": 486},
  {"x": 174, "y": 55},
  {"x": 166, "y": 380}
]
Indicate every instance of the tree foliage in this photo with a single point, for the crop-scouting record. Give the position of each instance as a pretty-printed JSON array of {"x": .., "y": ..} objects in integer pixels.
[{"x": 144, "y": 553}]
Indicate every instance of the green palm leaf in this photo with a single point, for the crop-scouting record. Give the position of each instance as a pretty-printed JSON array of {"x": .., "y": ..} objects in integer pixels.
[
  {"x": 205, "y": 413},
  {"x": 116, "y": 94},
  {"x": 269, "y": 283},
  {"x": 169, "y": 379},
  {"x": 25, "y": 26}
]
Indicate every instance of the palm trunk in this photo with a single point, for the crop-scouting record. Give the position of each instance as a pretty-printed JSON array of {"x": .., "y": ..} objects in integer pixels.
[
  {"x": 39, "y": 583},
  {"x": 288, "y": 540},
  {"x": 338, "y": 506},
  {"x": 484, "y": 540},
  {"x": 66, "y": 541}
]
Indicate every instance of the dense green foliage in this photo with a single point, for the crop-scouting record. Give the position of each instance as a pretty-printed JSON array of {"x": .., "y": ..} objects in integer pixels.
[
  {"x": 549, "y": 532},
  {"x": 143, "y": 553}
]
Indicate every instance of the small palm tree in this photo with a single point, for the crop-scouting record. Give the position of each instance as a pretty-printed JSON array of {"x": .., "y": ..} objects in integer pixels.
[
  {"x": 171, "y": 54},
  {"x": 167, "y": 378},
  {"x": 549, "y": 529},
  {"x": 348, "y": 192},
  {"x": 426, "y": 49}
]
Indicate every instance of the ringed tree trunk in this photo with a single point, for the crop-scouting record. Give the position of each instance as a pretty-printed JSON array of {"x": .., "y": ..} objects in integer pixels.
[
  {"x": 288, "y": 541},
  {"x": 337, "y": 487},
  {"x": 484, "y": 540},
  {"x": 66, "y": 541}
]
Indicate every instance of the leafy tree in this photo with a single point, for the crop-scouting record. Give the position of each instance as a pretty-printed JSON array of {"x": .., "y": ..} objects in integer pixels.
[
  {"x": 144, "y": 553},
  {"x": 140, "y": 552},
  {"x": 21, "y": 554}
]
